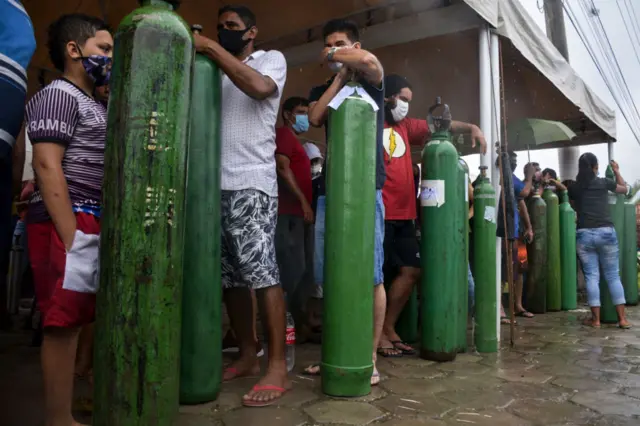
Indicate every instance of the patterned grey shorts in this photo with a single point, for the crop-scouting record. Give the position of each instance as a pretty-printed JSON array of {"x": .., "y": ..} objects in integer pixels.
[{"x": 248, "y": 250}]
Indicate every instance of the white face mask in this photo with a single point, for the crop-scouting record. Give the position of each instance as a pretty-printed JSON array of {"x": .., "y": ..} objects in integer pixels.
[
  {"x": 316, "y": 170},
  {"x": 400, "y": 111}
]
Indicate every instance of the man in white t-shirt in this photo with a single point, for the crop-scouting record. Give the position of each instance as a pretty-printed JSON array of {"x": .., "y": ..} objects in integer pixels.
[{"x": 251, "y": 90}]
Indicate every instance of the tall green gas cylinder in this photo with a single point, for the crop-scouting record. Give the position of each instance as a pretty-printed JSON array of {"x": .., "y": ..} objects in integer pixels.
[
  {"x": 407, "y": 325},
  {"x": 608, "y": 313},
  {"x": 201, "y": 350},
  {"x": 139, "y": 303},
  {"x": 484, "y": 264},
  {"x": 537, "y": 257},
  {"x": 554, "y": 275},
  {"x": 568, "y": 260},
  {"x": 347, "y": 338},
  {"x": 442, "y": 244},
  {"x": 629, "y": 272},
  {"x": 463, "y": 296}
]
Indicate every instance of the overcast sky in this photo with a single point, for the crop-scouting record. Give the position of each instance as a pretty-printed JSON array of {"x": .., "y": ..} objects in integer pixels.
[{"x": 626, "y": 149}]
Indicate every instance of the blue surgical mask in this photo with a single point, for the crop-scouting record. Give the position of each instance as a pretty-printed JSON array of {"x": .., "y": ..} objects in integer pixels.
[
  {"x": 302, "y": 123},
  {"x": 98, "y": 67},
  {"x": 597, "y": 173}
]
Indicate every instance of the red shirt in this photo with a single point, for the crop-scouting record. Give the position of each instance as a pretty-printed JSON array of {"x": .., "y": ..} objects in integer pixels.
[
  {"x": 399, "y": 191},
  {"x": 287, "y": 144}
]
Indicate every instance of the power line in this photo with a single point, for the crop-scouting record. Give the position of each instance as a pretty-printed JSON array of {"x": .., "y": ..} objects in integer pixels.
[
  {"x": 633, "y": 42},
  {"x": 585, "y": 41}
]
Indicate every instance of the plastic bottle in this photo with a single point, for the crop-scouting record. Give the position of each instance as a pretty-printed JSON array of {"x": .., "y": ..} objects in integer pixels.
[{"x": 290, "y": 354}]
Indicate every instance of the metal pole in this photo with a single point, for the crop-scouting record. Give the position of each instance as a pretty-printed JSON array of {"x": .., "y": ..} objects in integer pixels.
[
  {"x": 610, "y": 151},
  {"x": 554, "y": 18},
  {"x": 495, "y": 137},
  {"x": 485, "y": 90}
]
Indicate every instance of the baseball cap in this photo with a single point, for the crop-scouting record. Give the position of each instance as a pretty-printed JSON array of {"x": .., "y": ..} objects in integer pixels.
[{"x": 312, "y": 151}]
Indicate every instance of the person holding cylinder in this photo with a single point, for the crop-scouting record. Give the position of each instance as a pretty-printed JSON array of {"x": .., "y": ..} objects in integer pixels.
[
  {"x": 597, "y": 242},
  {"x": 344, "y": 56},
  {"x": 67, "y": 125},
  {"x": 251, "y": 90},
  {"x": 522, "y": 190},
  {"x": 399, "y": 195}
]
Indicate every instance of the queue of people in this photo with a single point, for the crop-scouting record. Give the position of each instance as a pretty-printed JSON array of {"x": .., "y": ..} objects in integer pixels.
[{"x": 273, "y": 197}]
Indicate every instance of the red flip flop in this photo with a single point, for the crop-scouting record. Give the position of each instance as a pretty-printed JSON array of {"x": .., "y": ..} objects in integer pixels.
[
  {"x": 261, "y": 388},
  {"x": 233, "y": 371}
]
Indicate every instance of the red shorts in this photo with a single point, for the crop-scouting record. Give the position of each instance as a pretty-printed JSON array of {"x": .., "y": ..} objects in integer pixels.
[{"x": 66, "y": 282}]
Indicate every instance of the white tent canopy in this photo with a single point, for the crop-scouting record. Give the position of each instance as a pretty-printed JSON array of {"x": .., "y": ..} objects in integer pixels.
[{"x": 513, "y": 22}]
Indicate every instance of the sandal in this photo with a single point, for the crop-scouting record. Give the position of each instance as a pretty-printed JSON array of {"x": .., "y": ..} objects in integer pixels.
[
  {"x": 391, "y": 352},
  {"x": 506, "y": 321},
  {"x": 524, "y": 314},
  {"x": 396, "y": 344},
  {"x": 625, "y": 326},
  {"x": 588, "y": 322},
  {"x": 375, "y": 377},
  {"x": 262, "y": 388}
]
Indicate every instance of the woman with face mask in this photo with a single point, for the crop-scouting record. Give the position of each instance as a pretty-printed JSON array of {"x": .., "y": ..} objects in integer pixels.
[
  {"x": 399, "y": 195},
  {"x": 597, "y": 242}
]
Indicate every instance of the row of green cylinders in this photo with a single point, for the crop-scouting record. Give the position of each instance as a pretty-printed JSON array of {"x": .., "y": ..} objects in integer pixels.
[{"x": 552, "y": 274}]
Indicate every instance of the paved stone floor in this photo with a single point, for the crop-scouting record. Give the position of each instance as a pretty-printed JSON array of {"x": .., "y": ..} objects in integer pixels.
[{"x": 559, "y": 373}]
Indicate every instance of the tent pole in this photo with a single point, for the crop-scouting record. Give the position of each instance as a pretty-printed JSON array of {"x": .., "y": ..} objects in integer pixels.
[
  {"x": 495, "y": 173},
  {"x": 485, "y": 90},
  {"x": 610, "y": 151}
]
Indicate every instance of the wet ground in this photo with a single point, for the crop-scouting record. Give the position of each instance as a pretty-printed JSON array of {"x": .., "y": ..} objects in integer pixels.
[{"x": 559, "y": 373}]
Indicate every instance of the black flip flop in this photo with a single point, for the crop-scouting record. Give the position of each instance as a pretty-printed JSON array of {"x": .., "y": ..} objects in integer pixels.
[
  {"x": 525, "y": 314},
  {"x": 411, "y": 351},
  {"x": 381, "y": 352}
]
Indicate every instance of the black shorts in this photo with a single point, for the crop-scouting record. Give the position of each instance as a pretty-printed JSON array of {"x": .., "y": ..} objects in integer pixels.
[{"x": 401, "y": 244}]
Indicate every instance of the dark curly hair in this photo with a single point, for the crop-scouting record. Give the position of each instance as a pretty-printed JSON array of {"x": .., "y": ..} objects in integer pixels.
[{"x": 73, "y": 27}]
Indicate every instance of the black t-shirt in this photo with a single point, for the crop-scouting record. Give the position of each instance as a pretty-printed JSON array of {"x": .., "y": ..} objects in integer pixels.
[
  {"x": 378, "y": 96},
  {"x": 592, "y": 202}
]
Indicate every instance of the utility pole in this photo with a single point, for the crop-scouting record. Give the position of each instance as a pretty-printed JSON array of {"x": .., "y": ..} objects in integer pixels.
[{"x": 554, "y": 18}]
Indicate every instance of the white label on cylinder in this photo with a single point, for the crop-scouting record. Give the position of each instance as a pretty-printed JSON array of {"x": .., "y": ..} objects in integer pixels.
[
  {"x": 432, "y": 193},
  {"x": 466, "y": 187},
  {"x": 490, "y": 214}
]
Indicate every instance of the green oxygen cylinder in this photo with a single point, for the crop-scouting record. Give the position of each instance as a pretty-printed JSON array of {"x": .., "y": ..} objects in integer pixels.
[
  {"x": 537, "y": 257},
  {"x": 347, "y": 338},
  {"x": 630, "y": 255},
  {"x": 442, "y": 243},
  {"x": 554, "y": 276},
  {"x": 201, "y": 350},
  {"x": 407, "y": 325},
  {"x": 568, "y": 260},
  {"x": 608, "y": 313},
  {"x": 138, "y": 319},
  {"x": 484, "y": 265},
  {"x": 463, "y": 296}
]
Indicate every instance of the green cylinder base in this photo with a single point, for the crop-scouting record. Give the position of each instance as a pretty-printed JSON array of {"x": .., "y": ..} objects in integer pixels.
[
  {"x": 346, "y": 382},
  {"x": 608, "y": 313},
  {"x": 430, "y": 355},
  {"x": 407, "y": 325}
]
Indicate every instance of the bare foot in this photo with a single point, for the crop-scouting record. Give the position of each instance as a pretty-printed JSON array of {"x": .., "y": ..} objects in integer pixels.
[
  {"x": 268, "y": 390},
  {"x": 242, "y": 367}
]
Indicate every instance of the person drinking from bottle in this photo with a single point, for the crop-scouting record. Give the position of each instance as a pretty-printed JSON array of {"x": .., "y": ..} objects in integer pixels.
[
  {"x": 597, "y": 242},
  {"x": 401, "y": 249}
]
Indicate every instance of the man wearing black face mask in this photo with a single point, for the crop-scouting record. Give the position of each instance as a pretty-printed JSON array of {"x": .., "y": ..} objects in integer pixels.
[{"x": 251, "y": 90}]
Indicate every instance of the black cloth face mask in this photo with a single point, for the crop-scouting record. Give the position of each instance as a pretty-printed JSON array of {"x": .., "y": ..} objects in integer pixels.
[{"x": 232, "y": 41}]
